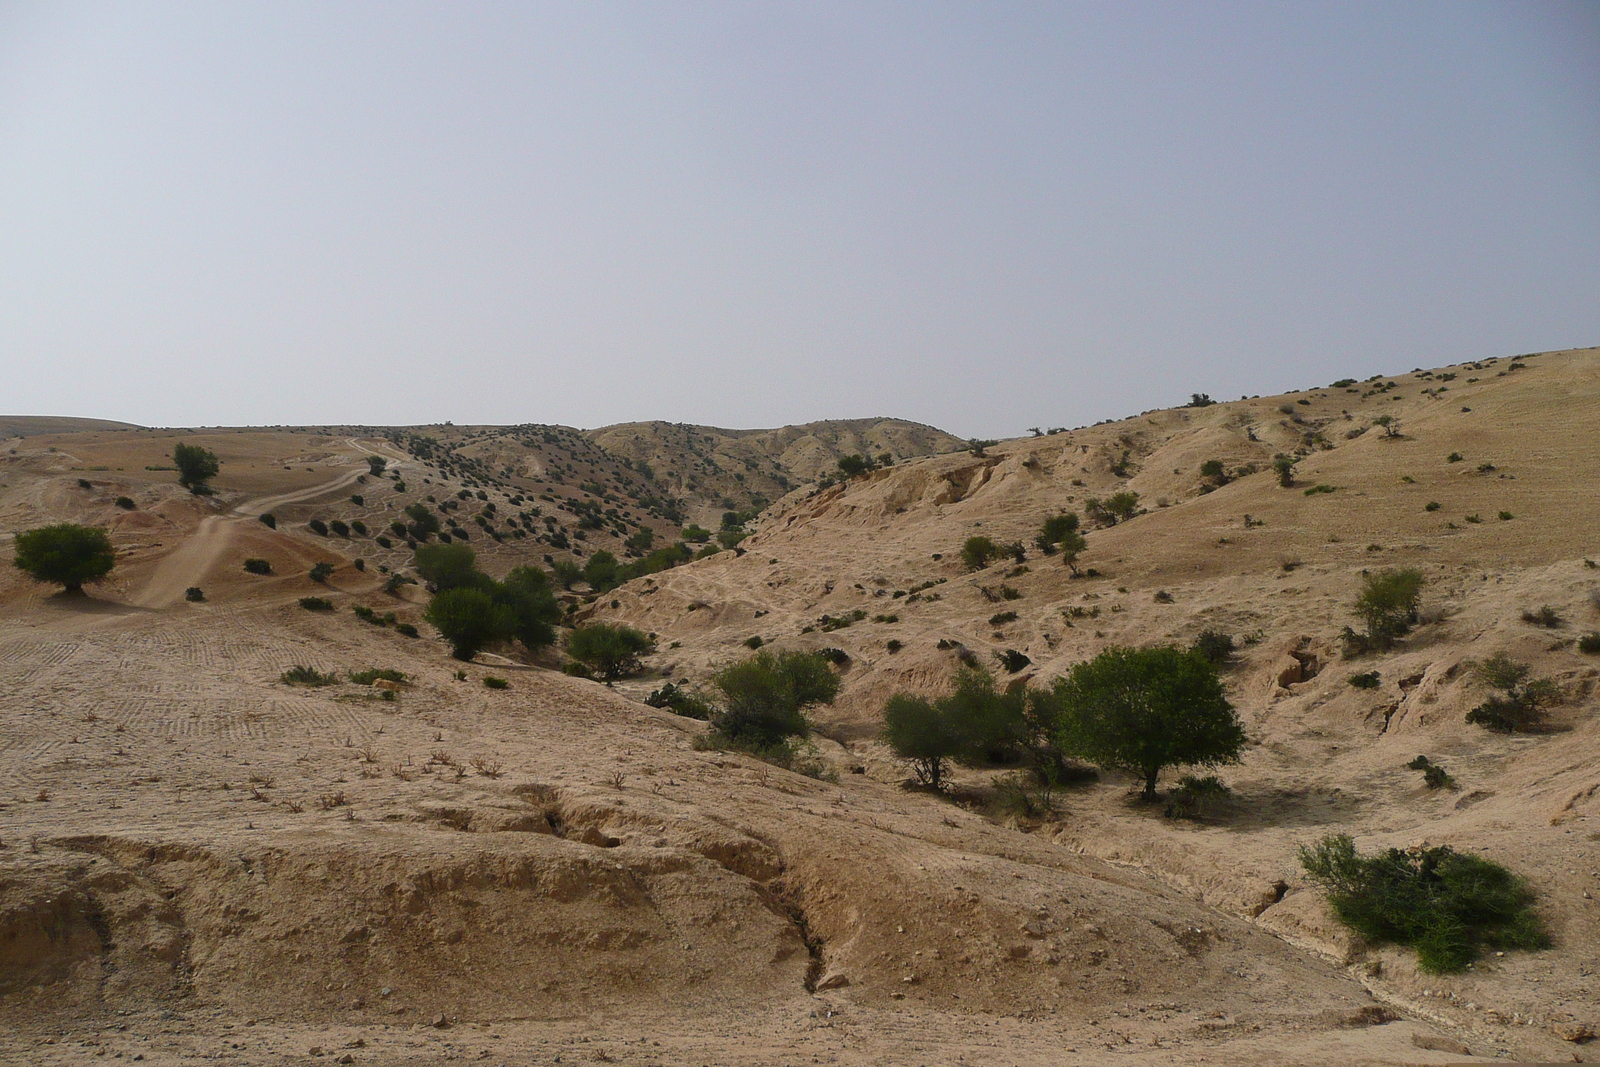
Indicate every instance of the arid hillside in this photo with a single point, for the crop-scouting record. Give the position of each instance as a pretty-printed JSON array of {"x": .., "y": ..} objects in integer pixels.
[{"x": 203, "y": 860}]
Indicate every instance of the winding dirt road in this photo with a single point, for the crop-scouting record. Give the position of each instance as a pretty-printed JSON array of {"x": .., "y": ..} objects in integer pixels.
[{"x": 189, "y": 563}]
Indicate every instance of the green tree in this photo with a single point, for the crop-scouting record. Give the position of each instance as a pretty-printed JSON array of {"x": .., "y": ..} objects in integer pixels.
[
  {"x": 534, "y": 610},
  {"x": 854, "y": 464},
  {"x": 920, "y": 732},
  {"x": 1143, "y": 710},
  {"x": 1061, "y": 532},
  {"x": 423, "y": 521},
  {"x": 1284, "y": 466},
  {"x": 767, "y": 694},
  {"x": 196, "y": 465},
  {"x": 66, "y": 554},
  {"x": 470, "y": 620},
  {"x": 450, "y": 566},
  {"x": 602, "y": 571},
  {"x": 611, "y": 650},
  {"x": 375, "y": 465}
]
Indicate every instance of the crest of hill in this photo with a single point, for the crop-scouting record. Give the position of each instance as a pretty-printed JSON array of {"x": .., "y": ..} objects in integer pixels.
[
  {"x": 34, "y": 425},
  {"x": 784, "y": 456}
]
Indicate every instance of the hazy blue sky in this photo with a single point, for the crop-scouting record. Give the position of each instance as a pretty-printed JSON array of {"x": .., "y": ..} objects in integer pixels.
[{"x": 984, "y": 216}]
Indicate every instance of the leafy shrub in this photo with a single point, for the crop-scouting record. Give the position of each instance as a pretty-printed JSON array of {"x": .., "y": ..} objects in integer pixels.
[
  {"x": 1283, "y": 465},
  {"x": 194, "y": 594},
  {"x": 1216, "y": 646},
  {"x": 375, "y": 465},
  {"x": 1589, "y": 643},
  {"x": 1432, "y": 505},
  {"x": 256, "y": 565},
  {"x": 339, "y": 528},
  {"x": 269, "y": 520},
  {"x": 1315, "y": 489},
  {"x": 1369, "y": 680},
  {"x": 1448, "y": 905},
  {"x": 301, "y": 675},
  {"x": 321, "y": 572},
  {"x": 450, "y": 567},
  {"x": 405, "y": 629},
  {"x": 491, "y": 682},
  {"x": 1433, "y": 775},
  {"x": 358, "y": 500},
  {"x": 318, "y": 527},
  {"x": 1002, "y": 617},
  {"x": 1520, "y": 704},
  {"x": 469, "y": 619},
  {"x": 126, "y": 503},
  {"x": 1387, "y": 605},
  {"x": 610, "y": 650},
  {"x": 894, "y": 645},
  {"x": 65, "y": 554},
  {"x": 316, "y": 603},
  {"x": 765, "y": 698},
  {"x": 754, "y": 642},
  {"x": 1012, "y": 660},
  {"x": 359, "y": 527},
  {"x": 1454, "y": 457},
  {"x": 372, "y": 674},
  {"x": 680, "y": 701},
  {"x": 978, "y": 552},
  {"x": 1118, "y": 507},
  {"x": 836, "y": 656},
  {"x": 1163, "y": 597},
  {"x": 1546, "y": 616},
  {"x": 383, "y": 541},
  {"x": 1196, "y": 798}
]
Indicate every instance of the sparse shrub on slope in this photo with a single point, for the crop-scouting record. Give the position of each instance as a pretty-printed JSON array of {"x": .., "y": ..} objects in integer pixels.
[
  {"x": 65, "y": 554},
  {"x": 979, "y": 551},
  {"x": 1387, "y": 605},
  {"x": 1448, "y": 905},
  {"x": 1216, "y": 646},
  {"x": 1519, "y": 705},
  {"x": 680, "y": 701}
]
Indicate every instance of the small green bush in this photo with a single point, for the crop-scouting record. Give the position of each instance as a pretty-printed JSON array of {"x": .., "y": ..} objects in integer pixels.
[
  {"x": 405, "y": 629},
  {"x": 383, "y": 541},
  {"x": 321, "y": 572},
  {"x": 126, "y": 503},
  {"x": 1433, "y": 775},
  {"x": 194, "y": 594},
  {"x": 318, "y": 527},
  {"x": 1002, "y": 617},
  {"x": 338, "y": 527},
  {"x": 1315, "y": 489},
  {"x": 1520, "y": 704},
  {"x": 610, "y": 650},
  {"x": 1215, "y": 646},
  {"x": 358, "y": 500},
  {"x": 359, "y": 527},
  {"x": 372, "y": 674},
  {"x": 1589, "y": 643},
  {"x": 301, "y": 675},
  {"x": 1368, "y": 680},
  {"x": 680, "y": 701},
  {"x": 270, "y": 521},
  {"x": 492, "y": 682},
  {"x": 1448, "y": 905},
  {"x": 894, "y": 645},
  {"x": 754, "y": 642},
  {"x": 256, "y": 565},
  {"x": 1012, "y": 660},
  {"x": 978, "y": 552},
  {"x": 316, "y": 603},
  {"x": 1432, "y": 505},
  {"x": 1195, "y": 798}
]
